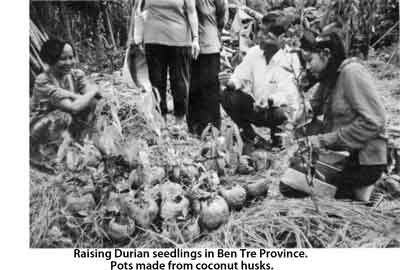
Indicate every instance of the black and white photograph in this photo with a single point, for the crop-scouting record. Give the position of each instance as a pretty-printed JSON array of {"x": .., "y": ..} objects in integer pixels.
[{"x": 265, "y": 124}]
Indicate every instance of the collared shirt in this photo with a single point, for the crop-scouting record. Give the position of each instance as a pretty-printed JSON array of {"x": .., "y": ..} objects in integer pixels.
[
  {"x": 212, "y": 16},
  {"x": 354, "y": 115},
  {"x": 275, "y": 80}
]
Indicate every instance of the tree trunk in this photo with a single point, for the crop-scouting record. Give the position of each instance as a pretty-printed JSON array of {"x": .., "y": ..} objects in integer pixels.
[
  {"x": 98, "y": 42},
  {"x": 110, "y": 29},
  {"x": 66, "y": 20}
]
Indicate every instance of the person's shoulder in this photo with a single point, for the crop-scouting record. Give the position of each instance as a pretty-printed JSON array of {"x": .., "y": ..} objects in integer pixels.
[
  {"x": 255, "y": 51},
  {"x": 351, "y": 66},
  {"x": 353, "y": 69}
]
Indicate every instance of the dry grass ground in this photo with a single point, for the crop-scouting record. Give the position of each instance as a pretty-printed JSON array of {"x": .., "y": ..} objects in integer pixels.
[{"x": 271, "y": 221}]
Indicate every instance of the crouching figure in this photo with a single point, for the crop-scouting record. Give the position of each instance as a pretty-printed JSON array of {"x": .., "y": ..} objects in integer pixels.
[
  {"x": 353, "y": 117},
  {"x": 262, "y": 89},
  {"x": 61, "y": 100}
]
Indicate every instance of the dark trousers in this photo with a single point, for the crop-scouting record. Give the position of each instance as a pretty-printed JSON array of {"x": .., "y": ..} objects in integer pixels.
[
  {"x": 355, "y": 176},
  {"x": 204, "y": 93},
  {"x": 240, "y": 107},
  {"x": 160, "y": 59}
]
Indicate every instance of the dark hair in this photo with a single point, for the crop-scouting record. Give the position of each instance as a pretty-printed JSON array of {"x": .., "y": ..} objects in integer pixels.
[
  {"x": 52, "y": 50},
  {"x": 333, "y": 42},
  {"x": 307, "y": 41},
  {"x": 271, "y": 17},
  {"x": 276, "y": 20}
]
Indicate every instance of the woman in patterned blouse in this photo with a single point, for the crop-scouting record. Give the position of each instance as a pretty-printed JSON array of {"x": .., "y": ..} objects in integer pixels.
[{"x": 61, "y": 94}]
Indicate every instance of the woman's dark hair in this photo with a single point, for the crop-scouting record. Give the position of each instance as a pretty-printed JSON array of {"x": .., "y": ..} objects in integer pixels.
[
  {"x": 334, "y": 43},
  {"x": 52, "y": 50}
]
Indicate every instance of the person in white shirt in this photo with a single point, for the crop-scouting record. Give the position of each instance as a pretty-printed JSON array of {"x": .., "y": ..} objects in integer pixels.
[{"x": 262, "y": 90}]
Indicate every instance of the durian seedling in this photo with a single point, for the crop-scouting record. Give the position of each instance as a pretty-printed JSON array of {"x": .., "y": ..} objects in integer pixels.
[
  {"x": 143, "y": 209},
  {"x": 76, "y": 204},
  {"x": 214, "y": 212},
  {"x": 234, "y": 195},
  {"x": 257, "y": 187},
  {"x": 175, "y": 208},
  {"x": 260, "y": 160},
  {"x": 122, "y": 230}
]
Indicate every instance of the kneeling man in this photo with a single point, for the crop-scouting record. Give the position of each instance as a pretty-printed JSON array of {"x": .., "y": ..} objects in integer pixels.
[{"x": 262, "y": 90}]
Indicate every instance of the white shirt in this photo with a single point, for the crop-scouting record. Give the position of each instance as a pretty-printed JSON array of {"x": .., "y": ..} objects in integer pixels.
[{"x": 275, "y": 80}]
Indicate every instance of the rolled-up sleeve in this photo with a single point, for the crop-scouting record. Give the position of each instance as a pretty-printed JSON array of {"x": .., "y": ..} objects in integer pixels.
[
  {"x": 46, "y": 91},
  {"x": 360, "y": 92},
  {"x": 242, "y": 77}
]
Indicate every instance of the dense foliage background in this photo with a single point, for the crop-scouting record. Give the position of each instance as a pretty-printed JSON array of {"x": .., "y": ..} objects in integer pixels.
[{"x": 99, "y": 29}]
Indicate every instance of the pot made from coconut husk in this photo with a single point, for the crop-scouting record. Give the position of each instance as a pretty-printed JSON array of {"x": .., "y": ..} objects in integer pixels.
[
  {"x": 260, "y": 160},
  {"x": 169, "y": 190},
  {"x": 136, "y": 152},
  {"x": 91, "y": 155},
  {"x": 244, "y": 166},
  {"x": 216, "y": 164},
  {"x": 174, "y": 208},
  {"x": 74, "y": 159},
  {"x": 156, "y": 176},
  {"x": 191, "y": 230},
  {"x": 195, "y": 206},
  {"x": 214, "y": 212},
  {"x": 121, "y": 185},
  {"x": 143, "y": 209},
  {"x": 210, "y": 180},
  {"x": 235, "y": 195},
  {"x": 175, "y": 173},
  {"x": 144, "y": 175},
  {"x": 115, "y": 202},
  {"x": 121, "y": 230},
  {"x": 221, "y": 166},
  {"x": 81, "y": 184},
  {"x": 77, "y": 204},
  {"x": 153, "y": 192},
  {"x": 182, "y": 231},
  {"x": 134, "y": 180},
  {"x": 191, "y": 172},
  {"x": 257, "y": 187},
  {"x": 392, "y": 185}
]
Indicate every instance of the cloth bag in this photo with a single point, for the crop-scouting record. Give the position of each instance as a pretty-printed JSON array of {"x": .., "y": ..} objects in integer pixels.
[{"x": 139, "y": 18}]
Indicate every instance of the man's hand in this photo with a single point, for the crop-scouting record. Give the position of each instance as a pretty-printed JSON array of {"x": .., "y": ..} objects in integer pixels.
[
  {"x": 276, "y": 115},
  {"x": 312, "y": 141}
]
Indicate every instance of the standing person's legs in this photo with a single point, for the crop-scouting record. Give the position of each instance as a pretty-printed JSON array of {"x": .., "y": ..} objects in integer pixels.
[
  {"x": 211, "y": 91},
  {"x": 195, "y": 97},
  {"x": 156, "y": 57},
  {"x": 179, "y": 59},
  {"x": 204, "y": 94}
]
